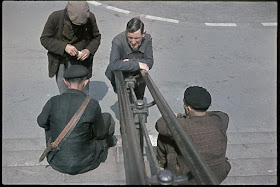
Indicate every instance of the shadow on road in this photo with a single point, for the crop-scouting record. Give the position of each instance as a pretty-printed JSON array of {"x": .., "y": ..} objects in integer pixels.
[
  {"x": 115, "y": 109},
  {"x": 97, "y": 90}
]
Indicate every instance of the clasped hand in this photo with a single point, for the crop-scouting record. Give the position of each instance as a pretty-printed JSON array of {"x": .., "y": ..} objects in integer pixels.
[
  {"x": 73, "y": 51},
  {"x": 142, "y": 65}
]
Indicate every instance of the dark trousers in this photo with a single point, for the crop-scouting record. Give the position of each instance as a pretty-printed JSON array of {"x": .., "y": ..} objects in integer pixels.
[
  {"x": 140, "y": 84},
  {"x": 140, "y": 88},
  {"x": 169, "y": 156}
]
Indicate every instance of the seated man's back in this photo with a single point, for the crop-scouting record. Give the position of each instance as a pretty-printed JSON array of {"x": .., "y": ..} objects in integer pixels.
[
  {"x": 207, "y": 130},
  {"x": 84, "y": 148}
]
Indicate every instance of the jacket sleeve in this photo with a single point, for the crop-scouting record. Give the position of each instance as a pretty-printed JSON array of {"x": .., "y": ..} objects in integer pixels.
[
  {"x": 223, "y": 118},
  {"x": 149, "y": 58},
  {"x": 116, "y": 59},
  {"x": 96, "y": 36},
  {"x": 48, "y": 39},
  {"x": 43, "y": 118},
  {"x": 148, "y": 55}
]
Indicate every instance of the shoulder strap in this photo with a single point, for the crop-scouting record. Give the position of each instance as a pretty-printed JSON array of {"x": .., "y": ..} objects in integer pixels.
[{"x": 67, "y": 130}]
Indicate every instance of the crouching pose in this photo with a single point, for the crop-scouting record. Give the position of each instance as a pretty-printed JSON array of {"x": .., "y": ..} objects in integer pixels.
[
  {"x": 131, "y": 52},
  {"x": 87, "y": 145},
  {"x": 206, "y": 129}
]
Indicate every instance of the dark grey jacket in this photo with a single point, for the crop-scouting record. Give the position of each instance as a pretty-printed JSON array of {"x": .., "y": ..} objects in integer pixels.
[
  {"x": 121, "y": 50},
  {"x": 82, "y": 149}
]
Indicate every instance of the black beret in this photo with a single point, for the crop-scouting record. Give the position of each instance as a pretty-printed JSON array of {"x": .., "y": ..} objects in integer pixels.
[
  {"x": 197, "y": 97},
  {"x": 76, "y": 71}
]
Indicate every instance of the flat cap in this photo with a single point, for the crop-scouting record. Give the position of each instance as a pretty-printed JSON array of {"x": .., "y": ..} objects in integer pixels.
[
  {"x": 78, "y": 12},
  {"x": 76, "y": 71},
  {"x": 197, "y": 97}
]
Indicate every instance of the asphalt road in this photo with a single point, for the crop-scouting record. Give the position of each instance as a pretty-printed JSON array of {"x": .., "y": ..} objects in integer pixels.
[{"x": 236, "y": 62}]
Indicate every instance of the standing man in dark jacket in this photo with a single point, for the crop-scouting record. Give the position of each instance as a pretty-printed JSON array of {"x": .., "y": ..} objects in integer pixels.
[
  {"x": 90, "y": 139},
  {"x": 71, "y": 36},
  {"x": 131, "y": 52},
  {"x": 207, "y": 130}
]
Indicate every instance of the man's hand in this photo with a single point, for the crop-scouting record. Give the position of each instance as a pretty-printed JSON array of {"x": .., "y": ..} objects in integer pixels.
[
  {"x": 71, "y": 50},
  {"x": 144, "y": 67},
  {"x": 84, "y": 54}
]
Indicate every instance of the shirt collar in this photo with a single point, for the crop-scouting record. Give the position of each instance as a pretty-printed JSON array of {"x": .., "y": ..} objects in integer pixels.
[{"x": 74, "y": 91}]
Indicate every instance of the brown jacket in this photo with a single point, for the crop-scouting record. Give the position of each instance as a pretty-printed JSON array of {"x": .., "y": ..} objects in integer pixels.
[
  {"x": 53, "y": 39},
  {"x": 208, "y": 134}
]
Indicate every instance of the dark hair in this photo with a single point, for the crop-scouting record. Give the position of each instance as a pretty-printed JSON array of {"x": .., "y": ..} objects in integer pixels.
[
  {"x": 198, "y": 110},
  {"x": 134, "y": 25},
  {"x": 78, "y": 80}
]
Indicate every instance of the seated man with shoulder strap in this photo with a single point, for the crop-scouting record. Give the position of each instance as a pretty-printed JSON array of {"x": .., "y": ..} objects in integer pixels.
[{"x": 84, "y": 146}]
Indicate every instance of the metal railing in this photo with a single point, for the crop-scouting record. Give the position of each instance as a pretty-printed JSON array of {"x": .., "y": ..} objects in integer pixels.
[
  {"x": 133, "y": 147},
  {"x": 133, "y": 159},
  {"x": 199, "y": 170}
]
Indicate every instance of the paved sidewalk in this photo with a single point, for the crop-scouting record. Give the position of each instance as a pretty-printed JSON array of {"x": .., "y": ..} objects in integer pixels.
[
  {"x": 237, "y": 65},
  {"x": 253, "y": 157}
]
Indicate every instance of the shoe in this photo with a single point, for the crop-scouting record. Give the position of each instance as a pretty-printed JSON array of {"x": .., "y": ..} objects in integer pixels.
[{"x": 112, "y": 141}]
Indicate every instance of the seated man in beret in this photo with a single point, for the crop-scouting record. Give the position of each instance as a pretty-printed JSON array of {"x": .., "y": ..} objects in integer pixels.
[
  {"x": 87, "y": 145},
  {"x": 206, "y": 129}
]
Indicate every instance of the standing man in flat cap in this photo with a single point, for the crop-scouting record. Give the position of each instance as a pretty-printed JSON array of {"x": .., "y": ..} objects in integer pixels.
[
  {"x": 71, "y": 36},
  {"x": 86, "y": 147},
  {"x": 206, "y": 129},
  {"x": 131, "y": 52}
]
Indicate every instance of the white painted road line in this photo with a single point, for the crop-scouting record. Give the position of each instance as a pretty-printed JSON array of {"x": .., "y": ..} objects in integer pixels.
[
  {"x": 94, "y": 3},
  {"x": 221, "y": 24},
  {"x": 118, "y": 10},
  {"x": 269, "y": 24},
  {"x": 162, "y": 19}
]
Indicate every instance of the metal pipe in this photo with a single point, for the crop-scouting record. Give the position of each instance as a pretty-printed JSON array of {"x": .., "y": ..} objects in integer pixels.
[
  {"x": 149, "y": 145},
  {"x": 200, "y": 171},
  {"x": 133, "y": 93},
  {"x": 133, "y": 159}
]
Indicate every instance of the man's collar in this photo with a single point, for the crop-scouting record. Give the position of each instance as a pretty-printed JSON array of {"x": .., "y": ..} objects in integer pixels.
[
  {"x": 74, "y": 91},
  {"x": 142, "y": 47},
  {"x": 67, "y": 19}
]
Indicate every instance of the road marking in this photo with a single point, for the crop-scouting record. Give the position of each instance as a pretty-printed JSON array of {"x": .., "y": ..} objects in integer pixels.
[
  {"x": 94, "y": 3},
  {"x": 269, "y": 24},
  {"x": 118, "y": 10},
  {"x": 162, "y": 19},
  {"x": 221, "y": 24}
]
